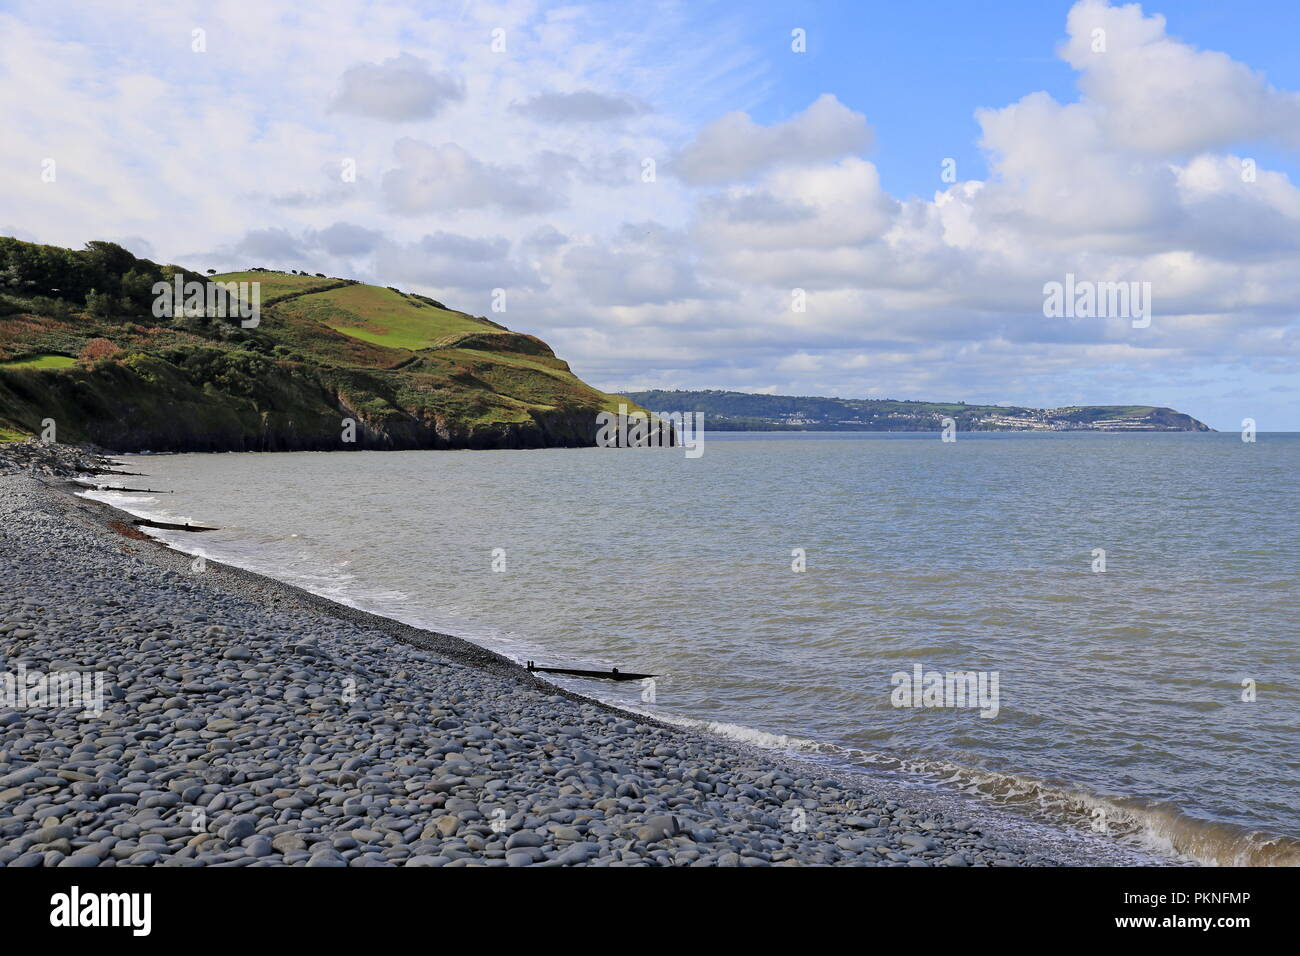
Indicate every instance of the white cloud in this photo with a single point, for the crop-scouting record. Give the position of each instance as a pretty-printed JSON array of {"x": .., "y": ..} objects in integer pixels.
[
  {"x": 346, "y": 239},
  {"x": 643, "y": 265},
  {"x": 447, "y": 178},
  {"x": 828, "y": 206},
  {"x": 1157, "y": 94},
  {"x": 582, "y": 106},
  {"x": 468, "y": 266},
  {"x": 736, "y": 148},
  {"x": 401, "y": 89}
]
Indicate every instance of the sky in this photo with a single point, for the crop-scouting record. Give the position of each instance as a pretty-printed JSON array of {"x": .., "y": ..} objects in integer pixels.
[{"x": 864, "y": 200}]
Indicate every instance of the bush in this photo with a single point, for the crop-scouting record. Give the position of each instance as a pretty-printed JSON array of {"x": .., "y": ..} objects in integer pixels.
[
  {"x": 100, "y": 304},
  {"x": 97, "y": 349}
]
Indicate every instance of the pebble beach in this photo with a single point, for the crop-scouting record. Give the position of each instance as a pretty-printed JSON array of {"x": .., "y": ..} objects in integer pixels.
[{"x": 245, "y": 722}]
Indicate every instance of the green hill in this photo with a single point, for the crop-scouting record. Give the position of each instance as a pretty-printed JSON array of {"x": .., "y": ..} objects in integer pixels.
[
  {"x": 79, "y": 344},
  {"x": 744, "y": 411}
]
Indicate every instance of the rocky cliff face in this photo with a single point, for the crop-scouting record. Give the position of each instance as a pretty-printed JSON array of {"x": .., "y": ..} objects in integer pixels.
[
  {"x": 554, "y": 429},
  {"x": 120, "y": 410}
]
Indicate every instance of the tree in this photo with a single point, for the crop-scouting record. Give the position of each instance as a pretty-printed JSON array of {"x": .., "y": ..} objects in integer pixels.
[
  {"x": 137, "y": 289},
  {"x": 101, "y": 305},
  {"x": 108, "y": 257}
]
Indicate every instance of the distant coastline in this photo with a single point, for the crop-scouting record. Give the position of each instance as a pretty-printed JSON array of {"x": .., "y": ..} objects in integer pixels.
[{"x": 746, "y": 411}]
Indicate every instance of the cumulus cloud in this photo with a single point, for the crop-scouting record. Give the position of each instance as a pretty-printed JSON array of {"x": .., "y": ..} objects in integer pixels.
[
  {"x": 400, "y": 89},
  {"x": 605, "y": 169},
  {"x": 469, "y": 266},
  {"x": 1059, "y": 171},
  {"x": 447, "y": 178},
  {"x": 346, "y": 239},
  {"x": 1157, "y": 94},
  {"x": 583, "y": 106},
  {"x": 736, "y": 148},
  {"x": 643, "y": 264},
  {"x": 545, "y": 237},
  {"x": 271, "y": 247},
  {"x": 822, "y": 207}
]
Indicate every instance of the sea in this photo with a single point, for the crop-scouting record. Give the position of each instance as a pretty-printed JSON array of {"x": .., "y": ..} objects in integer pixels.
[{"x": 1097, "y": 632}]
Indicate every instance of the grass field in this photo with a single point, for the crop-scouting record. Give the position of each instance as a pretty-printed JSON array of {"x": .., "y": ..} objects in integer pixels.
[
  {"x": 1117, "y": 411},
  {"x": 40, "y": 361},
  {"x": 382, "y": 317},
  {"x": 275, "y": 284},
  {"x": 368, "y": 313}
]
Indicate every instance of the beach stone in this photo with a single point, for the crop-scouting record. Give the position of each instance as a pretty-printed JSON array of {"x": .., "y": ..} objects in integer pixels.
[
  {"x": 238, "y": 829},
  {"x": 660, "y": 827},
  {"x": 53, "y": 834},
  {"x": 288, "y": 842},
  {"x": 578, "y": 853},
  {"x": 525, "y": 838}
]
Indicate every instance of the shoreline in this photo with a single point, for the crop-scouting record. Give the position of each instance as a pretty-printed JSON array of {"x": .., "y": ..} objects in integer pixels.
[{"x": 649, "y": 792}]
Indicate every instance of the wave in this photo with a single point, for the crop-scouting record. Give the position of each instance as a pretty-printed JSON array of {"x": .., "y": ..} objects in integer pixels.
[
  {"x": 1152, "y": 826},
  {"x": 1148, "y": 824}
]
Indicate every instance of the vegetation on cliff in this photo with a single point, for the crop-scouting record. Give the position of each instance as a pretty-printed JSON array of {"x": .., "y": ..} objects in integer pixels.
[{"x": 80, "y": 345}]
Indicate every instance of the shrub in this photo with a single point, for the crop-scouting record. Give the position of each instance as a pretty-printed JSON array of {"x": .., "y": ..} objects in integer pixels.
[
  {"x": 97, "y": 349},
  {"x": 100, "y": 304}
]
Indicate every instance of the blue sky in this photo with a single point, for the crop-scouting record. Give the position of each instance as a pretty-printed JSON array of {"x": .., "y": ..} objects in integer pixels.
[
  {"x": 779, "y": 178},
  {"x": 920, "y": 70}
]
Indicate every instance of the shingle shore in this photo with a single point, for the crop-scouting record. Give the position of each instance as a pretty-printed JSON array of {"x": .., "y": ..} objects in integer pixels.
[{"x": 247, "y": 723}]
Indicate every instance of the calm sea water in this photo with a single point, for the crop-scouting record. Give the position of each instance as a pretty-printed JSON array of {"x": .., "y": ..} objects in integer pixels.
[{"x": 1120, "y": 692}]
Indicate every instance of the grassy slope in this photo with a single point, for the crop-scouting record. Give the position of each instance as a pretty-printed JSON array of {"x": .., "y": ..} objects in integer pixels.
[
  {"x": 382, "y": 316},
  {"x": 375, "y": 328},
  {"x": 390, "y": 358},
  {"x": 41, "y": 361}
]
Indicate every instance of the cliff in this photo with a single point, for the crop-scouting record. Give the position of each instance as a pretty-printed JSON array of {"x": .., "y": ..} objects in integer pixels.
[{"x": 330, "y": 364}]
